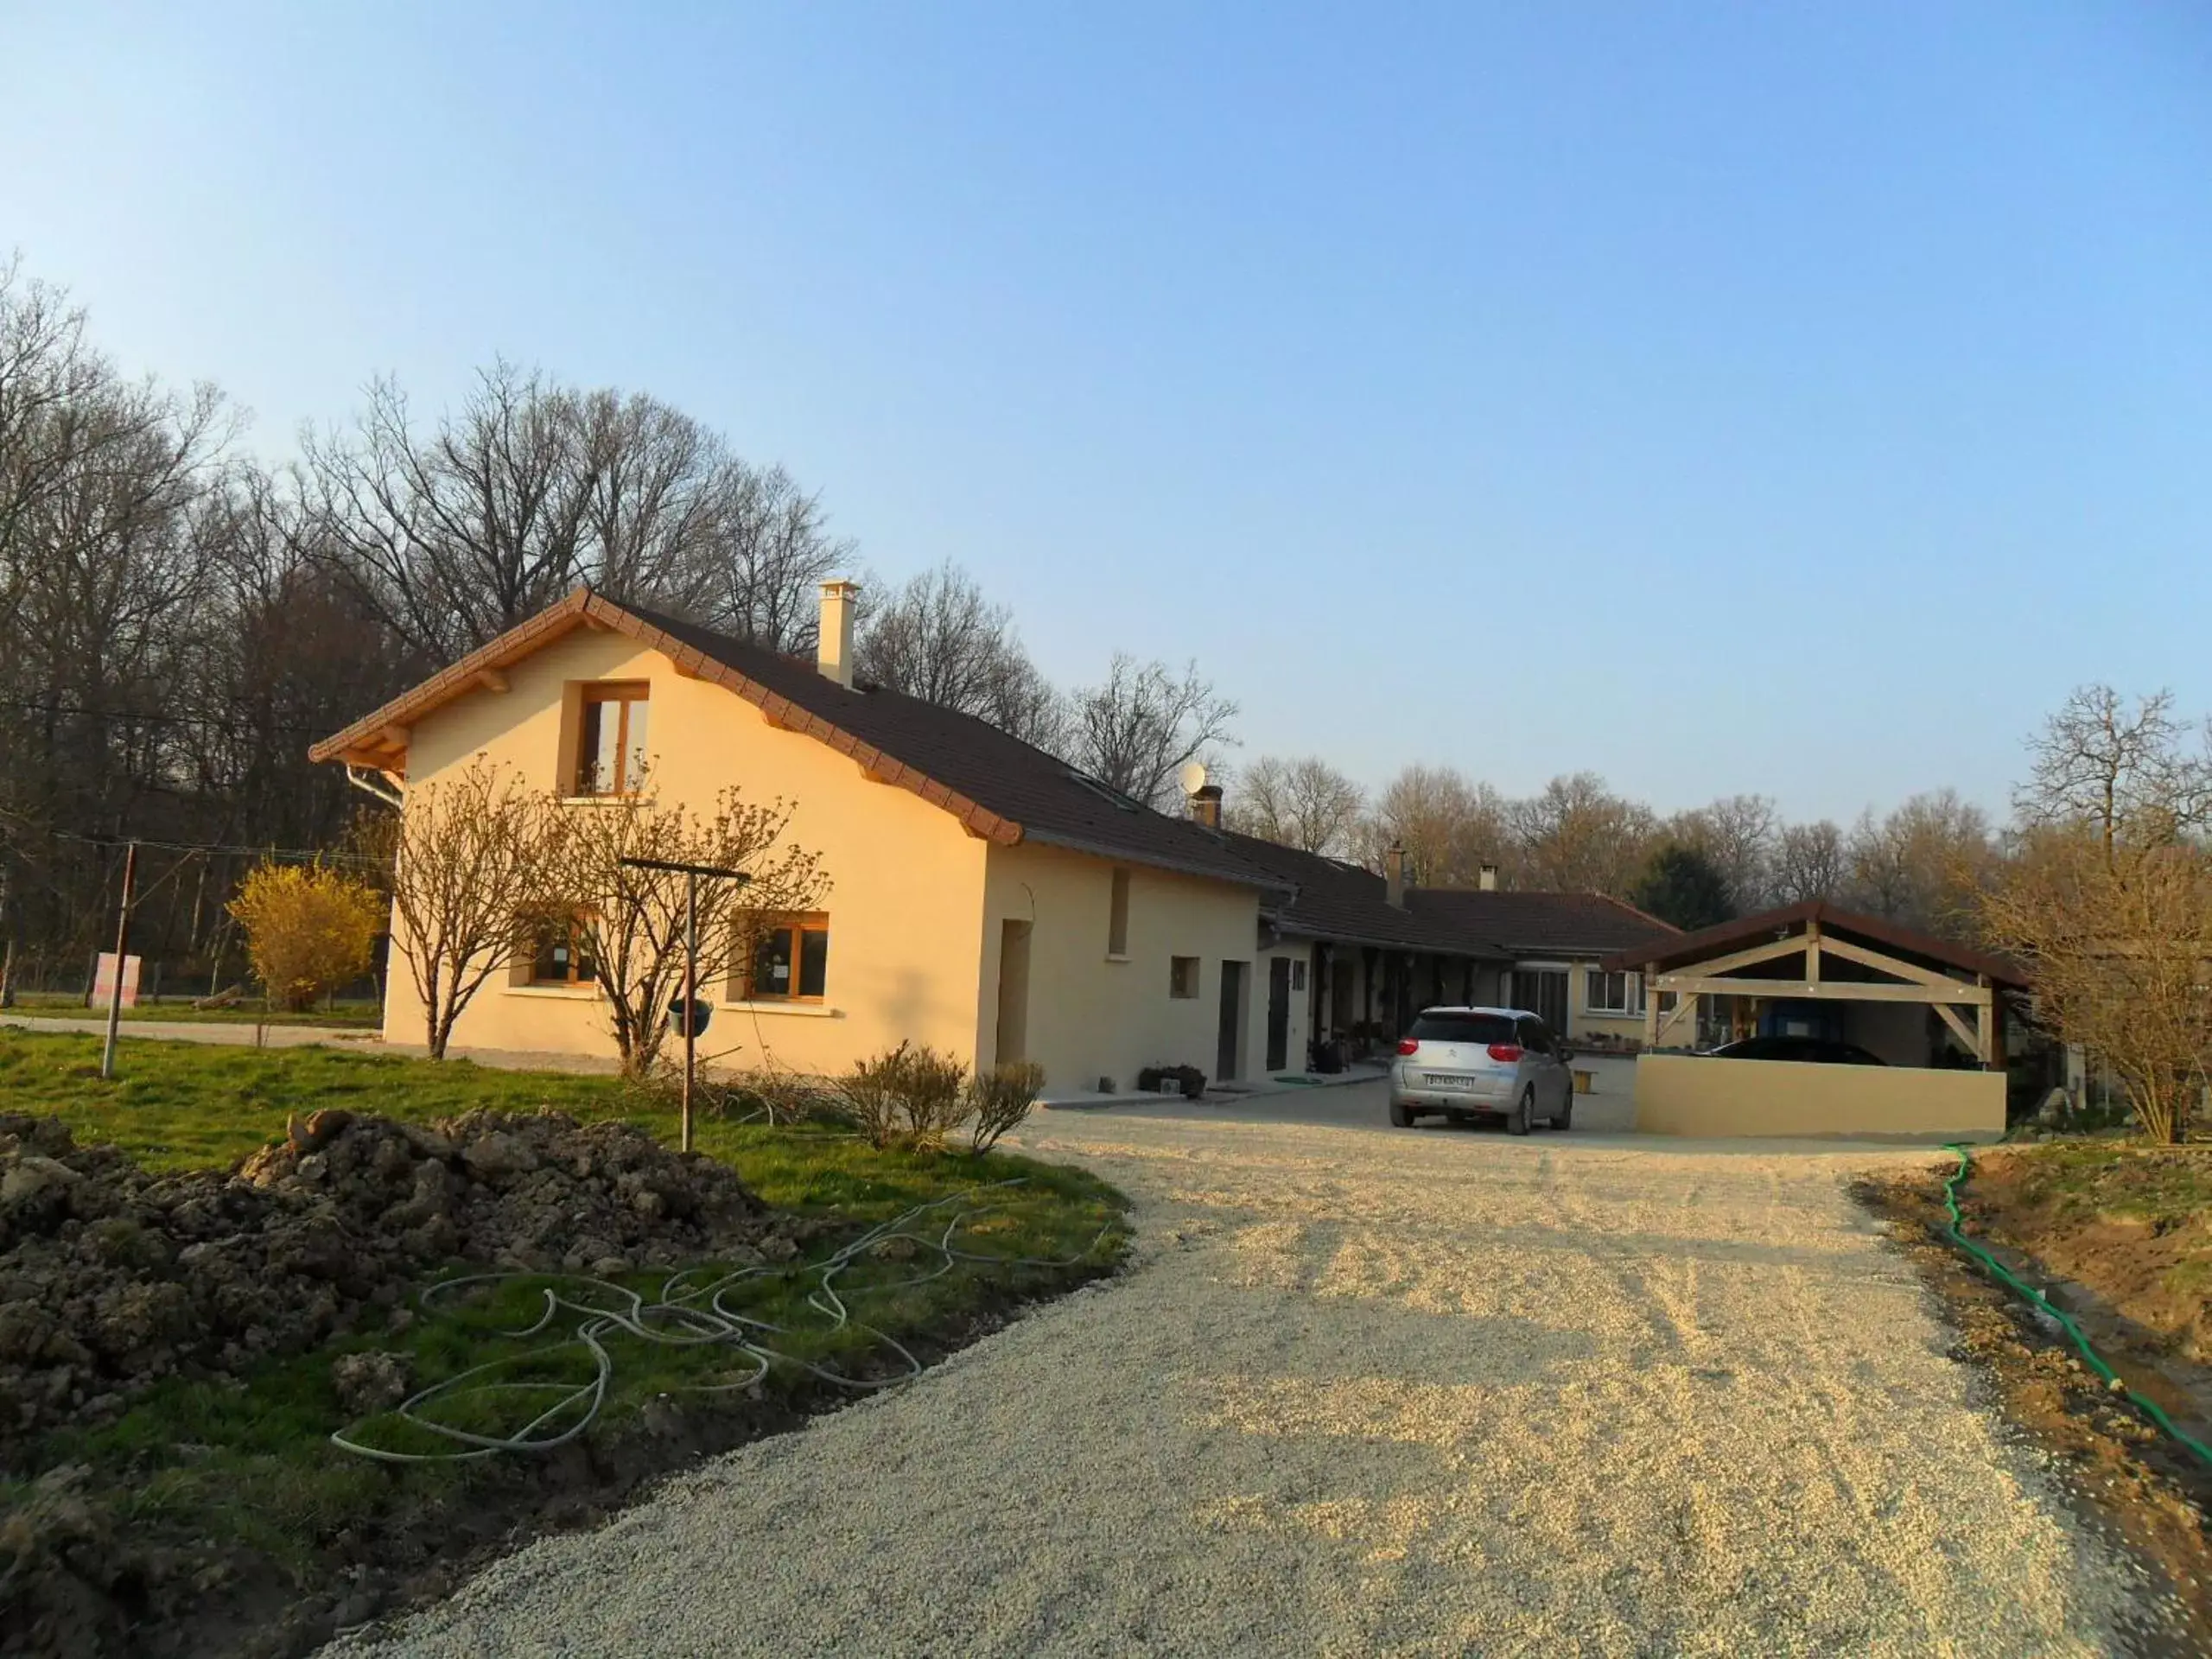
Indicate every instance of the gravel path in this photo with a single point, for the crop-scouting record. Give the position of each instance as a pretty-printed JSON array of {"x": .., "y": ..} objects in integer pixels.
[{"x": 1376, "y": 1391}]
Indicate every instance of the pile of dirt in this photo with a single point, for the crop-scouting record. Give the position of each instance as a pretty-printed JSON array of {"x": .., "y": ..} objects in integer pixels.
[{"x": 112, "y": 1278}]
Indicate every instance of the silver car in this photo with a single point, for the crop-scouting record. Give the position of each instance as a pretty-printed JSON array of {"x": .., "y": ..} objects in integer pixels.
[{"x": 1463, "y": 1063}]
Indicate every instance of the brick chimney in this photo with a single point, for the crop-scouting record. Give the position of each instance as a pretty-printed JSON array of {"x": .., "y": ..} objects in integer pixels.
[
  {"x": 1488, "y": 880},
  {"x": 833, "y": 652},
  {"x": 1206, "y": 805},
  {"x": 1394, "y": 876}
]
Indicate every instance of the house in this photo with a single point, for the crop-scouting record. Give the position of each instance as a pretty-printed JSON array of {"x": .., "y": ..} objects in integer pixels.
[
  {"x": 1556, "y": 945},
  {"x": 1369, "y": 951},
  {"x": 1348, "y": 961},
  {"x": 1933, "y": 1012},
  {"x": 987, "y": 898}
]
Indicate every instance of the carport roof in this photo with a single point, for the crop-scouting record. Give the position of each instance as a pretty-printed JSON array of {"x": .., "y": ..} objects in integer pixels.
[{"x": 1685, "y": 950}]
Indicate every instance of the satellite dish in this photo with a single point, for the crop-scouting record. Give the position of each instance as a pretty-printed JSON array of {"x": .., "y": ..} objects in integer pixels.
[{"x": 1194, "y": 777}]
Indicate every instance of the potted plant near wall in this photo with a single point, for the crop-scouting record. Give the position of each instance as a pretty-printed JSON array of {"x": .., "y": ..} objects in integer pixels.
[{"x": 1157, "y": 1079}]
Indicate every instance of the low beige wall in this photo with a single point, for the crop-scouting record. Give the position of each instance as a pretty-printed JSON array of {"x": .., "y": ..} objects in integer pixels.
[{"x": 1689, "y": 1094}]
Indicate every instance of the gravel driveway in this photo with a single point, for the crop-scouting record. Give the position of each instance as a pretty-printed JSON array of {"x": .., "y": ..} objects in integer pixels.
[{"x": 1372, "y": 1391}]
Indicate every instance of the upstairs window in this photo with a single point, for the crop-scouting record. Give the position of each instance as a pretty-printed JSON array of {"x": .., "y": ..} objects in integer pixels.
[
  {"x": 1117, "y": 916},
  {"x": 610, "y": 739},
  {"x": 790, "y": 963}
]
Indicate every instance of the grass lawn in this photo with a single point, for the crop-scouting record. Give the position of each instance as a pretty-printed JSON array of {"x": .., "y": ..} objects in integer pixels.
[
  {"x": 62, "y": 1005},
  {"x": 253, "y": 1467}
]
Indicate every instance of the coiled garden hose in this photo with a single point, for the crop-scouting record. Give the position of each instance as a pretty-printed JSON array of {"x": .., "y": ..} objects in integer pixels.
[
  {"x": 688, "y": 1313},
  {"x": 2096, "y": 1363}
]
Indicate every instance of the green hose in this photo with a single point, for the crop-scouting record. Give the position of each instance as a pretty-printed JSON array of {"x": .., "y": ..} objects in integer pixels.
[{"x": 2148, "y": 1407}]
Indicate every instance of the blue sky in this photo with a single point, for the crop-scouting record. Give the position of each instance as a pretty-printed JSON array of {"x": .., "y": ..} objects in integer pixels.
[{"x": 1795, "y": 399}]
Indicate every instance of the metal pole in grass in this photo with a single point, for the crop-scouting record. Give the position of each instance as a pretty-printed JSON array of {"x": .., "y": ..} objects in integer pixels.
[
  {"x": 122, "y": 939},
  {"x": 693, "y": 1016}
]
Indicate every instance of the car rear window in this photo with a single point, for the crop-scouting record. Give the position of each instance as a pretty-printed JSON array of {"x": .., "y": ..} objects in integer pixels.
[{"x": 1462, "y": 1028}]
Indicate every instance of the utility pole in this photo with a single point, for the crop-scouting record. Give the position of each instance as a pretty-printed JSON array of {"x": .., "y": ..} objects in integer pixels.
[
  {"x": 690, "y": 1010},
  {"x": 122, "y": 939}
]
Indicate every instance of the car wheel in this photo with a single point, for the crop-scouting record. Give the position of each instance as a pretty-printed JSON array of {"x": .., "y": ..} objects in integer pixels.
[
  {"x": 1565, "y": 1120},
  {"x": 1401, "y": 1116},
  {"x": 1518, "y": 1123}
]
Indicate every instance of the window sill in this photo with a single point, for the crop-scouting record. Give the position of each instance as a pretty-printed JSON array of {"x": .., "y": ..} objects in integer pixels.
[
  {"x": 594, "y": 800},
  {"x": 1112, "y": 956},
  {"x": 805, "y": 1010},
  {"x": 572, "y": 993}
]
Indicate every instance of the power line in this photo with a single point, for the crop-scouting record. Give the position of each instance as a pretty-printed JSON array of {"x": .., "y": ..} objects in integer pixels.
[{"x": 123, "y": 716}]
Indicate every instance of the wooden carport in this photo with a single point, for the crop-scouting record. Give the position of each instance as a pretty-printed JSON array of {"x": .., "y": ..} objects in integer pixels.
[{"x": 1816, "y": 952}]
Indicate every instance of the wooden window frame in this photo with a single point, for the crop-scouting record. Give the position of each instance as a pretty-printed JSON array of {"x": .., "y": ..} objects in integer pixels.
[
  {"x": 578, "y": 920},
  {"x": 624, "y": 694},
  {"x": 742, "y": 988}
]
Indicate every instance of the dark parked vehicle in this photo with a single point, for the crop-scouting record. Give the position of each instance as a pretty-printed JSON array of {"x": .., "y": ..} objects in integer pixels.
[{"x": 1818, "y": 1049}]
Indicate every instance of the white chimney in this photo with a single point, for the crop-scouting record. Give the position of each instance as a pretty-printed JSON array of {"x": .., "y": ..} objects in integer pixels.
[
  {"x": 1394, "y": 876},
  {"x": 833, "y": 654},
  {"x": 1487, "y": 881}
]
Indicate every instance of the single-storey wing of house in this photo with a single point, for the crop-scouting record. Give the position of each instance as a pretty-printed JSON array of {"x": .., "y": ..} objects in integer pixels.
[
  {"x": 1930, "y": 1010},
  {"x": 1349, "y": 961},
  {"x": 986, "y": 898},
  {"x": 1554, "y": 946}
]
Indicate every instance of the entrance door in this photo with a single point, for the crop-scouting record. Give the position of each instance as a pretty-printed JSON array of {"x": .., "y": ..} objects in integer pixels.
[
  {"x": 1013, "y": 992},
  {"x": 1277, "y": 1013},
  {"x": 1229, "y": 1057},
  {"x": 1542, "y": 991}
]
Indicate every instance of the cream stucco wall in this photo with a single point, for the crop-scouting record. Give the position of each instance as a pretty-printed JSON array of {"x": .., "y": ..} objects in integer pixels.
[
  {"x": 907, "y": 893},
  {"x": 1684, "y": 1094},
  {"x": 1090, "y": 1016}
]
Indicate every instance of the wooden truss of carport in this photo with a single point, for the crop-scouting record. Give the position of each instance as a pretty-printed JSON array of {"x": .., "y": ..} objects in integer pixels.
[{"x": 1839, "y": 950}]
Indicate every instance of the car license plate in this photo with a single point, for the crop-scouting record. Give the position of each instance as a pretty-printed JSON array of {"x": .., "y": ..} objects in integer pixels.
[{"x": 1447, "y": 1080}]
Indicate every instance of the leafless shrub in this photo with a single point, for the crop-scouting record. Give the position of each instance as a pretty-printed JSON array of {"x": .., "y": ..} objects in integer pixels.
[
  {"x": 906, "y": 1096},
  {"x": 998, "y": 1099}
]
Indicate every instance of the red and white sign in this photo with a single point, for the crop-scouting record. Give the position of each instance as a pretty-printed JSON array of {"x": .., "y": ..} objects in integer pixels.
[{"x": 103, "y": 980}]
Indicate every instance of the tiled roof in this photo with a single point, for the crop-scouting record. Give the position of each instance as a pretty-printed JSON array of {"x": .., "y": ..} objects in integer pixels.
[
  {"x": 1001, "y": 788},
  {"x": 1541, "y": 924},
  {"x": 1334, "y": 900}
]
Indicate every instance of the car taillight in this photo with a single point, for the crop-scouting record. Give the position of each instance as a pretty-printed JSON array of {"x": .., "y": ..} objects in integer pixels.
[
  {"x": 1507, "y": 1051},
  {"x": 1408, "y": 1044}
]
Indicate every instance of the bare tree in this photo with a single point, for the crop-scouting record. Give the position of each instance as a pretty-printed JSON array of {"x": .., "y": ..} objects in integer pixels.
[
  {"x": 469, "y": 860},
  {"x": 1924, "y": 863},
  {"x": 2121, "y": 770},
  {"x": 1139, "y": 728},
  {"x": 774, "y": 552},
  {"x": 936, "y": 638},
  {"x": 1809, "y": 862},
  {"x": 1578, "y": 836},
  {"x": 631, "y": 921},
  {"x": 1448, "y": 826},
  {"x": 1736, "y": 835},
  {"x": 1304, "y": 803},
  {"x": 460, "y": 528},
  {"x": 2117, "y": 936}
]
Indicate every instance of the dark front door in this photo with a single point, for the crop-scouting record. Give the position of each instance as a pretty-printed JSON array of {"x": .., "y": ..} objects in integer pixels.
[
  {"x": 1229, "y": 1054},
  {"x": 1542, "y": 991},
  {"x": 1277, "y": 1013}
]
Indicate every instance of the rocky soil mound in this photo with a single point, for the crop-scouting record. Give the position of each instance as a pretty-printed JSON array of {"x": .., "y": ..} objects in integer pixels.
[{"x": 111, "y": 1278}]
